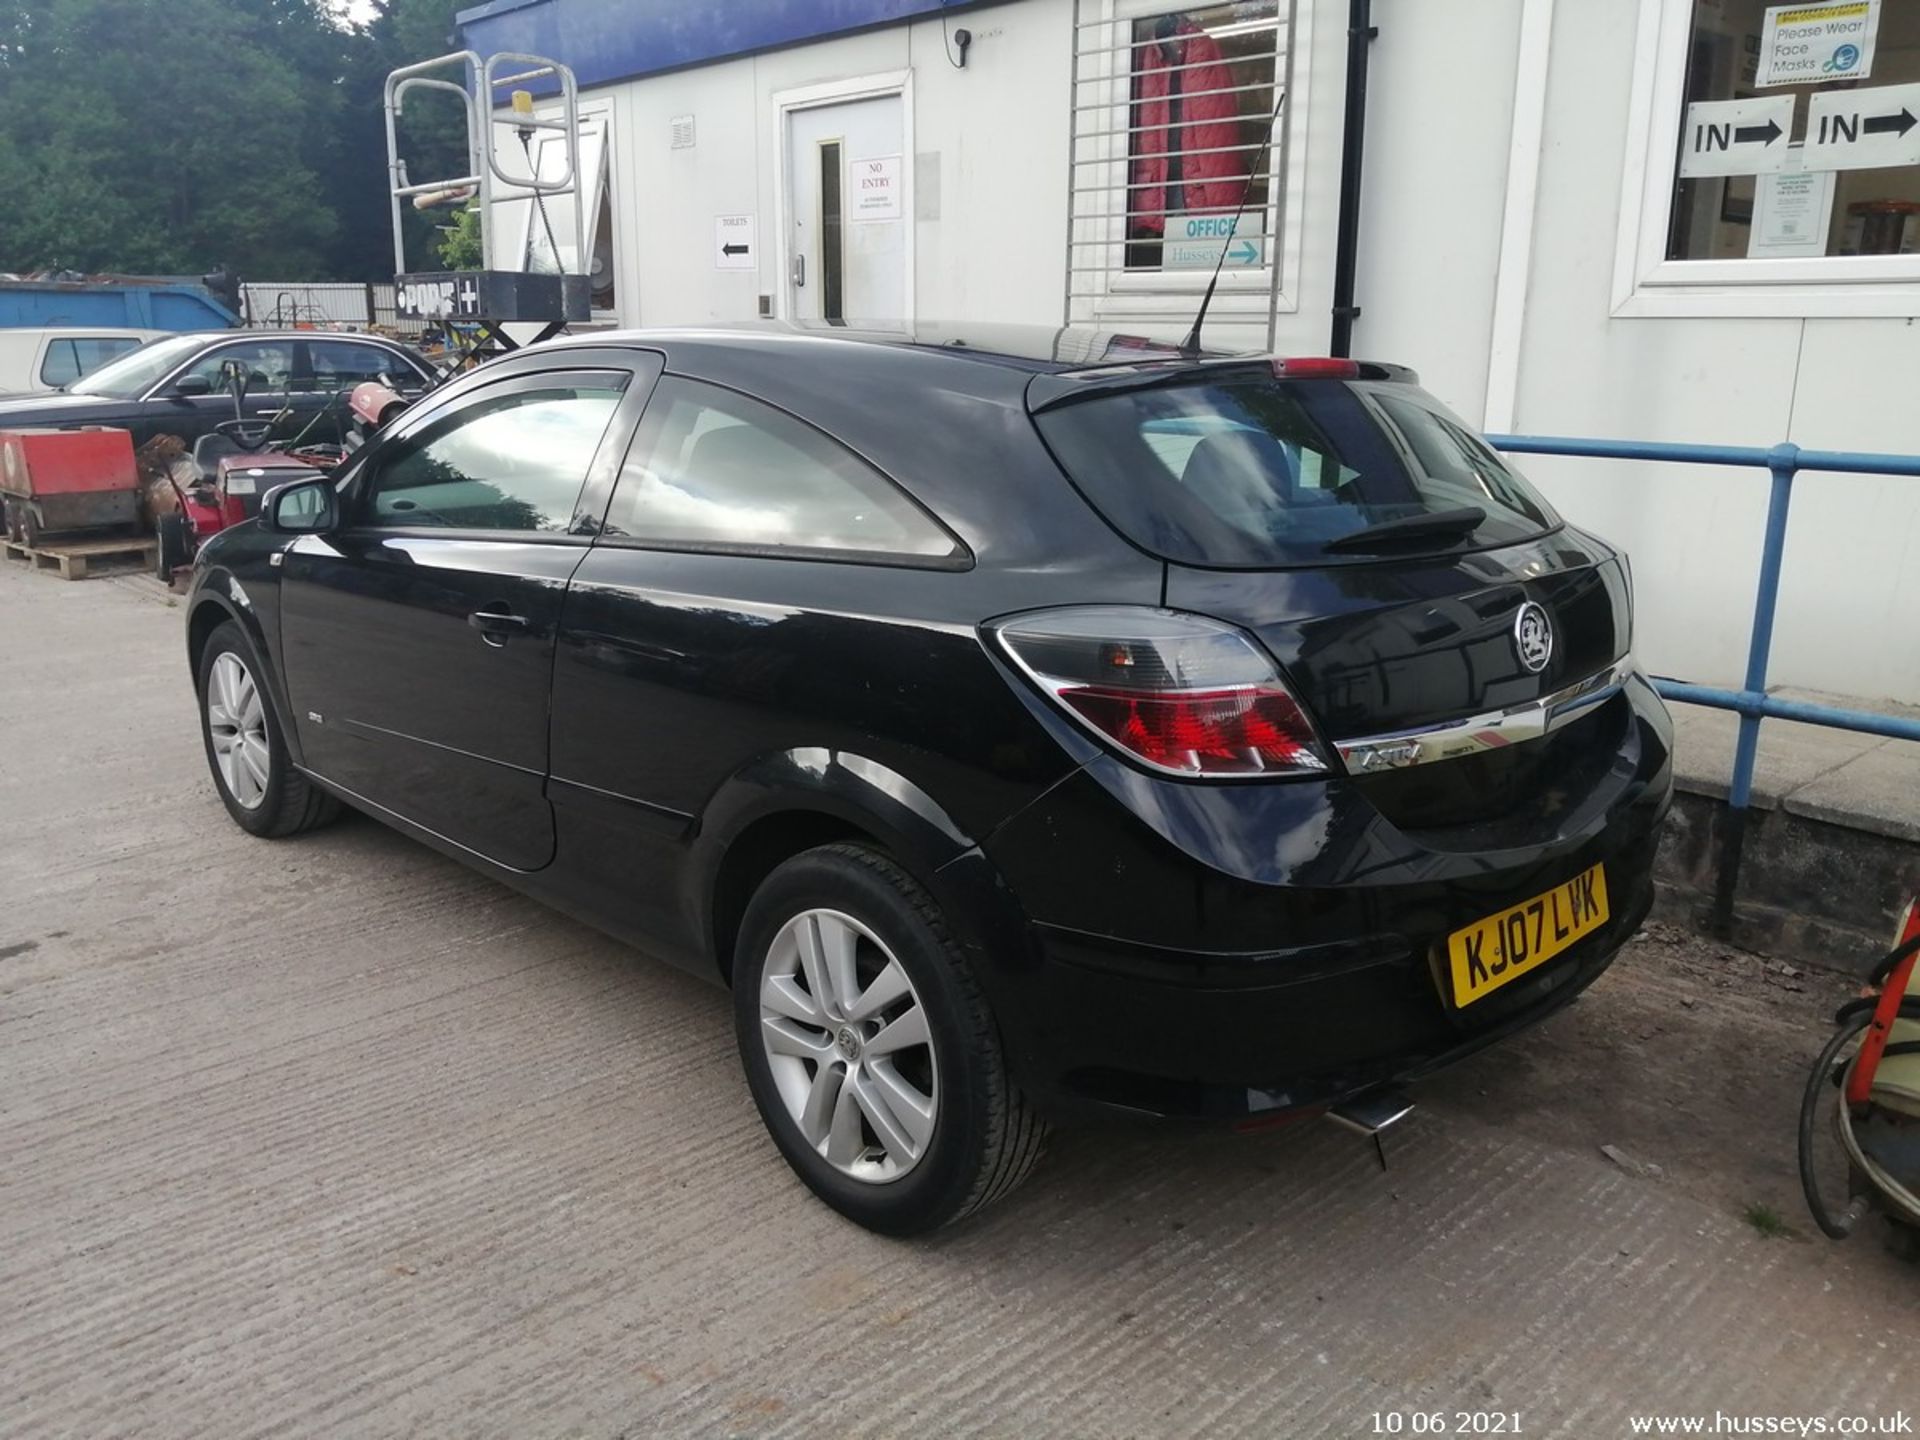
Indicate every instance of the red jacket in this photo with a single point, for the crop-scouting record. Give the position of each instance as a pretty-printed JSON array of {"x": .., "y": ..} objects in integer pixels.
[{"x": 1207, "y": 122}]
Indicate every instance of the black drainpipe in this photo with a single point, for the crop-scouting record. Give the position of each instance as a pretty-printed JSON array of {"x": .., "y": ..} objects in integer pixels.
[{"x": 1353, "y": 144}]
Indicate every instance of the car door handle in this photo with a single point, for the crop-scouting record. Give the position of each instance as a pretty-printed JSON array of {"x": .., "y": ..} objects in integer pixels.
[{"x": 496, "y": 625}]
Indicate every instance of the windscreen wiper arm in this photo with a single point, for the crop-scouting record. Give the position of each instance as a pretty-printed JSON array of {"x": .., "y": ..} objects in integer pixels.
[{"x": 1433, "y": 525}]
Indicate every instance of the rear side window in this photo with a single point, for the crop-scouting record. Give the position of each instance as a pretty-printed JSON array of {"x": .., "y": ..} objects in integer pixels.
[
  {"x": 338, "y": 364},
  {"x": 68, "y": 359},
  {"x": 711, "y": 468},
  {"x": 511, "y": 461},
  {"x": 1247, "y": 470}
]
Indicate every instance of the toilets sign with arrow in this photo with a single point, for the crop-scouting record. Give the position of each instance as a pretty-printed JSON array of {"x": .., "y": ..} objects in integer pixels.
[
  {"x": 733, "y": 247},
  {"x": 1736, "y": 137}
]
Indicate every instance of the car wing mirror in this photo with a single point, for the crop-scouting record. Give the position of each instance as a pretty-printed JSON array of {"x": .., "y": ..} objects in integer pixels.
[
  {"x": 303, "y": 507},
  {"x": 189, "y": 386}
]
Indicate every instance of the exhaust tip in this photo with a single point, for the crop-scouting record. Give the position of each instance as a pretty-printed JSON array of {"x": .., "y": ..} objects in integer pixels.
[{"x": 1374, "y": 1113}]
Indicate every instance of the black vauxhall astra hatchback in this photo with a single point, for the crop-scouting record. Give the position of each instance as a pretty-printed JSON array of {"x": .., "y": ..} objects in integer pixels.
[{"x": 1015, "y": 721}]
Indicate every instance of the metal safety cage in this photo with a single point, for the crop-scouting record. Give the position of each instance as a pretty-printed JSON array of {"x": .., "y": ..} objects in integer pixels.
[
  {"x": 480, "y": 88},
  {"x": 1119, "y": 130}
]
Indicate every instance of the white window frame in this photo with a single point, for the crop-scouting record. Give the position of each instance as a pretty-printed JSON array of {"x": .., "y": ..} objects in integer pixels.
[
  {"x": 1646, "y": 283},
  {"x": 812, "y": 97},
  {"x": 1245, "y": 293}
]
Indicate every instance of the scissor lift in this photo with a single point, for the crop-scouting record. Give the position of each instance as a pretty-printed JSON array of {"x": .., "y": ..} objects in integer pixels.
[{"x": 490, "y": 299}]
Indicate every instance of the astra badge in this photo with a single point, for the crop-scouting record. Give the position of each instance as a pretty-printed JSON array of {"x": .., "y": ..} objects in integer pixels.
[{"x": 1533, "y": 637}]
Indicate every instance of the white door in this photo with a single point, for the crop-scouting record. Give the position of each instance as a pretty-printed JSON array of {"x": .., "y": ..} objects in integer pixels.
[{"x": 847, "y": 224}]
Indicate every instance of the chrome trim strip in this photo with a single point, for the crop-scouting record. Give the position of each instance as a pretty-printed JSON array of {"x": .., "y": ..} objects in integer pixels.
[{"x": 1491, "y": 731}]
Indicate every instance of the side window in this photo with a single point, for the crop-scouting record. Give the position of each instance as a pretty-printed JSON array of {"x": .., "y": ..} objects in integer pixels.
[
  {"x": 68, "y": 359},
  {"x": 267, "y": 364},
  {"x": 61, "y": 365},
  {"x": 511, "y": 461},
  {"x": 341, "y": 364},
  {"x": 1202, "y": 82},
  {"x": 97, "y": 350},
  {"x": 710, "y": 467},
  {"x": 1171, "y": 105}
]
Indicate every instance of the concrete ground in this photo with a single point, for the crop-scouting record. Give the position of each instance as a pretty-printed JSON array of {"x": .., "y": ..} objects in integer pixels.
[{"x": 331, "y": 1137}]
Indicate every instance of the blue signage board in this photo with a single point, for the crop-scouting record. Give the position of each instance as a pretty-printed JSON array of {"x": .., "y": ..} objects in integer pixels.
[{"x": 606, "y": 40}]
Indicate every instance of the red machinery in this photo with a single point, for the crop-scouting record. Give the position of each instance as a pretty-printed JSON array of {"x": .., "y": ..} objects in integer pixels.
[
  {"x": 232, "y": 493},
  {"x": 233, "y": 471},
  {"x": 62, "y": 480},
  {"x": 228, "y": 483}
]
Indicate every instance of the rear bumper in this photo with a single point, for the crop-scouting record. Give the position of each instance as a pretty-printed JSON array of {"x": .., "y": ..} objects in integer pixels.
[{"x": 1202, "y": 951}]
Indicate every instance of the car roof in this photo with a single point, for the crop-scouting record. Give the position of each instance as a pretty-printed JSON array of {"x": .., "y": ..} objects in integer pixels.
[
  {"x": 1041, "y": 365},
  {"x": 111, "y": 332},
  {"x": 244, "y": 333},
  {"x": 1027, "y": 349}
]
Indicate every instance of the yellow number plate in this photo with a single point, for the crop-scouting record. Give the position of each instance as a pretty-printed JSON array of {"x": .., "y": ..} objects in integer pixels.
[{"x": 1490, "y": 952}]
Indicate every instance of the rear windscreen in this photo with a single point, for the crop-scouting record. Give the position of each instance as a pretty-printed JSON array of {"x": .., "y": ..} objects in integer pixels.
[{"x": 1249, "y": 470}]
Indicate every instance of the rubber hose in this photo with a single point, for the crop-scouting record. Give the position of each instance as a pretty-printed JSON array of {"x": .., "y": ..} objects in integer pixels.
[
  {"x": 1893, "y": 958},
  {"x": 1819, "y": 1082},
  {"x": 1866, "y": 1005}
]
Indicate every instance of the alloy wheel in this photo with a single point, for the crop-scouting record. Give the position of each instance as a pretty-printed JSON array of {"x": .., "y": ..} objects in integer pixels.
[
  {"x": 237, "y": 725},
  {"x": 848, "y": 1044}
]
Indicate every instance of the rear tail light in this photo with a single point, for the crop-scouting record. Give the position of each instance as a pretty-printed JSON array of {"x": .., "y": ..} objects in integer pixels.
[{"x": 1180, "y": 693}]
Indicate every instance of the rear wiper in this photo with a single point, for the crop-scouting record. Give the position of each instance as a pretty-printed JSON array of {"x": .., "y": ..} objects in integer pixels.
[{"x": 1436, "y": 524}]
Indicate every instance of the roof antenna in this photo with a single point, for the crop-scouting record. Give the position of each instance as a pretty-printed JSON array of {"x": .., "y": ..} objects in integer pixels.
[{"x": 1190, "y": 347}]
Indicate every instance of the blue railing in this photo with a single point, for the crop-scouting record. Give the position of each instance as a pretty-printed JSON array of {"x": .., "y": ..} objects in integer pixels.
[{"x": 1752, "y": 703}]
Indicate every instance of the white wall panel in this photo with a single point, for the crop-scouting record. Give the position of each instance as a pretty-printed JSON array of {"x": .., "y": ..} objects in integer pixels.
[
  {"x": 1436, "y": 169},
  {"x": 990, "y": 245},
  {"x": 1852, "y": 560}
]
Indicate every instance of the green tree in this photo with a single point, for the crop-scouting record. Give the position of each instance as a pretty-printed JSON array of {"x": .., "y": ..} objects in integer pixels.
[
  {"x": 172, "y": 139},
  {"x": 432, "y": 136},
  {"x": 165, "y": 138},
  {"x": 459, "y": 247}
]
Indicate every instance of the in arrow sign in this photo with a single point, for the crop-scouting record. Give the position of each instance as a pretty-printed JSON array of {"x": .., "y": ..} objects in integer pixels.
[
  {"x": 733, "y": 249},
  {"x": 1890, "y": 124},
  {"x": 1758, "y": 134},
  {"x": 1245, "y": 252}
]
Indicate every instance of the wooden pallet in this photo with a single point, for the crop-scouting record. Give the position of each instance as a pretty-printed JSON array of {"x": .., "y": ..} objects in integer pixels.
[{"x": 72, "y": 560}]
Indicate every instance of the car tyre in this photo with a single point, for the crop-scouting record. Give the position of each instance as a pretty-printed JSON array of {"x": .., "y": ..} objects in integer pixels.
[
  {"x": 258, "y": 782},
  {"x": 899, "y": 1136}
]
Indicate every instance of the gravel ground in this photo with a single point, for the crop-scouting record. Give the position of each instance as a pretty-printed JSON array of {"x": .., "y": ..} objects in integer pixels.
[{"x": 332, "y": 1137}]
